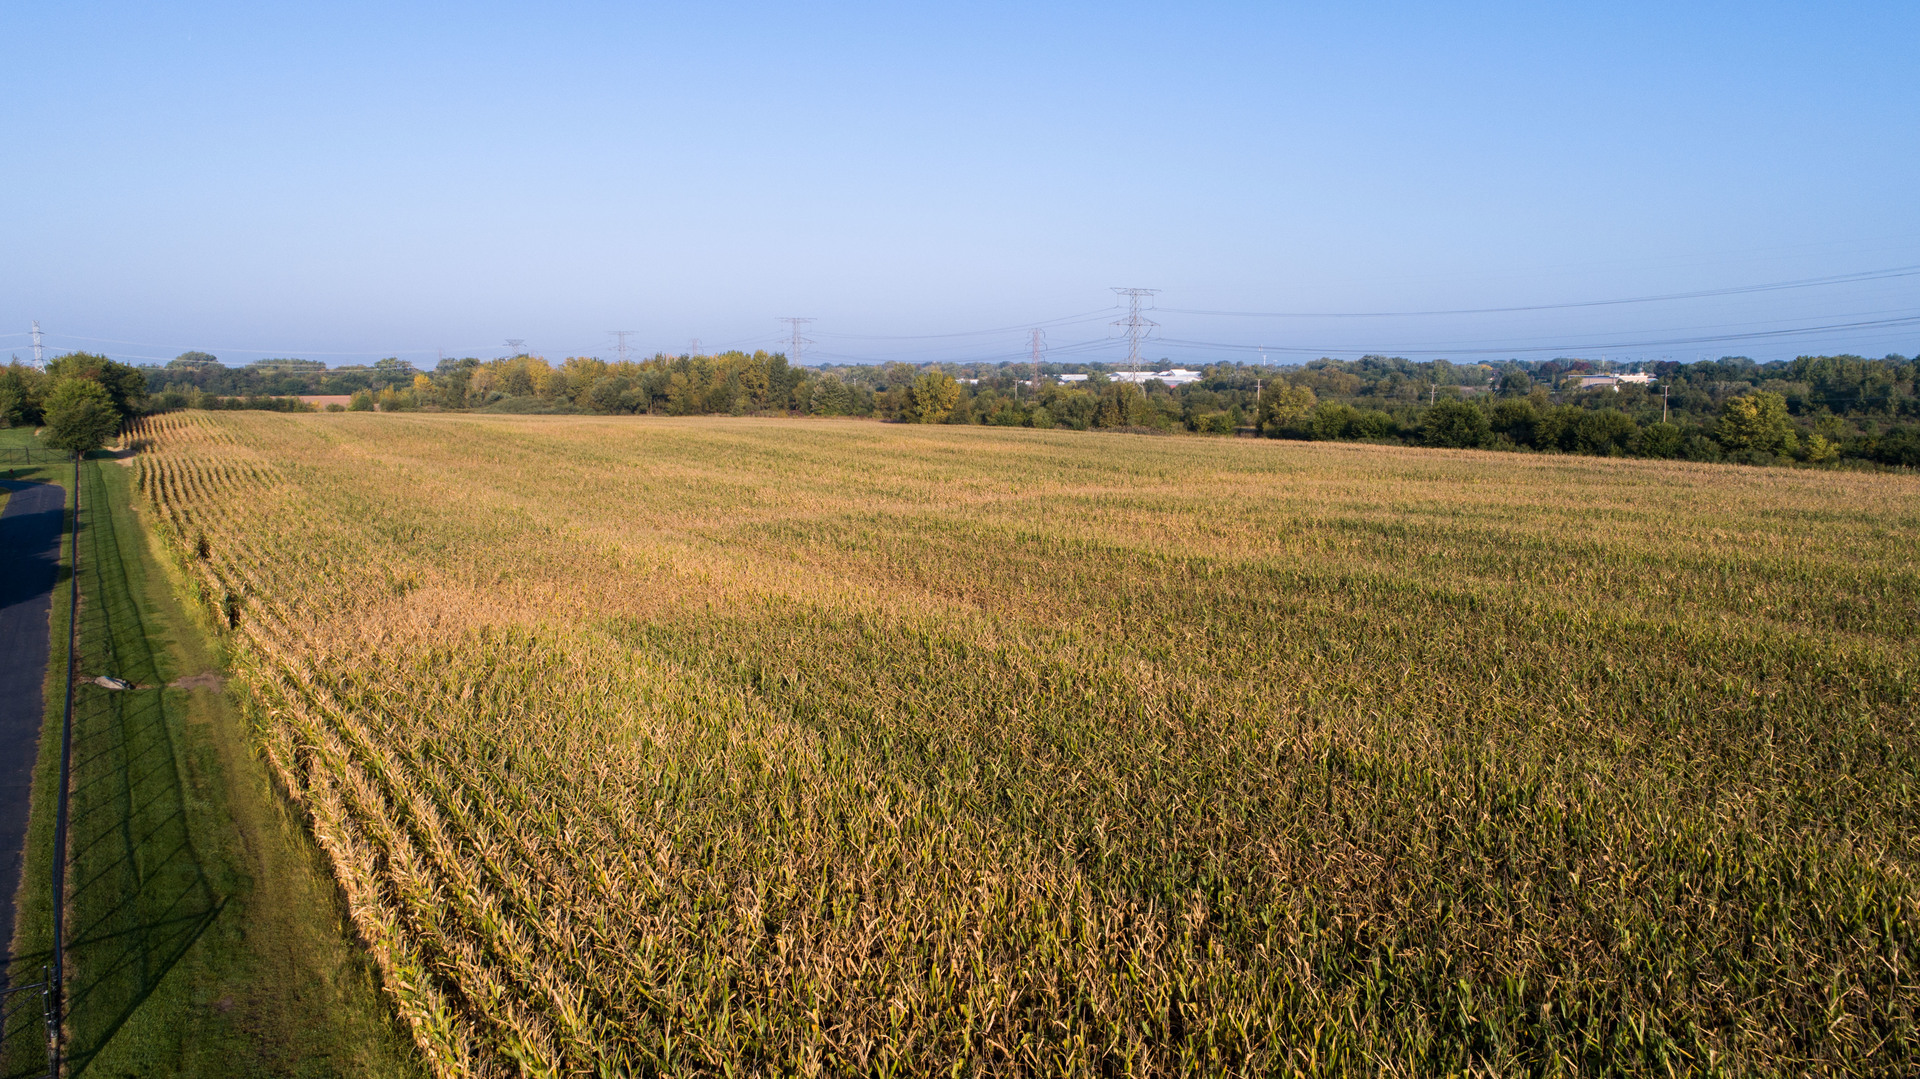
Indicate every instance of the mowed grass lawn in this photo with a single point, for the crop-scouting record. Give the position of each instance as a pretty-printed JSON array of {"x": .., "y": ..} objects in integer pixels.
[{"x": 765, "y": 747}]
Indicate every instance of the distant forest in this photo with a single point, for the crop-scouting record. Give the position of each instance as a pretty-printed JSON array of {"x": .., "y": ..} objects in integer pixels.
[{"x": 1819, "y": 410}]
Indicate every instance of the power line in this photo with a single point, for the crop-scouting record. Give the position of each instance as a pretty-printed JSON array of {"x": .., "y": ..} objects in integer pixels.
[
  {"x": 1591, "y": 346},
  {"x": 1084, "y": 316},
  {"x": 1097, "y": 344},
  {"x": 1737, "y": 290},
  {"x": 1138, "y": 328},
  {"x": 263, "y": 351}
]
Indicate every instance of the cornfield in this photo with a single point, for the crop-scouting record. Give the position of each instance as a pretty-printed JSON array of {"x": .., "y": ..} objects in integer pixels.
[{"x": 744, "y": 747}]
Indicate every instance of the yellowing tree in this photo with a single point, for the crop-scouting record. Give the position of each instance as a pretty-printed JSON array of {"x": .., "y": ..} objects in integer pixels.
[
  {"x": 1757, "y": 421},
  {"x": 933, "y": 397}
]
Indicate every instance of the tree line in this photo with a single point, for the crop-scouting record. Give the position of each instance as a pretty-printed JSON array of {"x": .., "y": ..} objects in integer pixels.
[
  {"x": 1813, "y": 410},
  {"x": 80, "y": 399}
]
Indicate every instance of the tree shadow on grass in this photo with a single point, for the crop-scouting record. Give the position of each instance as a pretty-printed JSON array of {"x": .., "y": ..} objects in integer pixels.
[{"x": 23, "y": 1030}]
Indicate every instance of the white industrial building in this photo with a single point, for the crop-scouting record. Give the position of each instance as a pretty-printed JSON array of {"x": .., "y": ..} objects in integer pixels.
[
  {"x": 1589, "y": 382},
  {"x": 1178, "y": 376}
]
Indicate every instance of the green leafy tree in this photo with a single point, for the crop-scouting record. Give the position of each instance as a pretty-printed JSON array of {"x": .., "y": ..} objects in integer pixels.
[
  {"x": 607, "y": 395},
  {"x": 1282, "y": 405},
  {"x": 80, "y": 415},
  {"x": 1122, "y": 404},
  {"x": 394, "y": 369},
  {"x": 1073, "y": 408},
  {"x": 1454, "y": 423},
  {"x": 1516, "y": 419},
  {"x": 1701, "y": 448},
  {"x": 1658, "y": 440},
  {"x": 1821, "y": 450},
  {"x": 1756, "y": 423},
  {"x": 22, "y": 392},
  {"x": 831, "y": 397},
  {"x": 1900, "y": 446},
  {"x": 126, "y": 386},
  {"x": 1330, "y": 420},
  {"x": 1605, "y": 432},
  {"x": 932, "y": 397},
  {"x": 755, "y": 385},
  {"x": 1558, "y": 427}
]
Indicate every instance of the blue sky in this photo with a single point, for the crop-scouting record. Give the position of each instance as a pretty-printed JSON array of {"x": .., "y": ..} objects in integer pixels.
[{"x": 350, "y": 181}]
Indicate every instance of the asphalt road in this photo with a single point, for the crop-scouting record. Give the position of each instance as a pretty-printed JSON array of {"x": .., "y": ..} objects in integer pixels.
[{"x": 30, "y": 533}]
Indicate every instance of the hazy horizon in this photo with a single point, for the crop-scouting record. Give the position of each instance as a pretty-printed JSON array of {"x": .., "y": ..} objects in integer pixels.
[{"x": 358, "y": 182}]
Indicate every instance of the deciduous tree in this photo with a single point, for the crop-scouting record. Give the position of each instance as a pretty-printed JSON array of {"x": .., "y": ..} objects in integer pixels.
[
  {"x": 22, "y": 393},
  {"x": 80, "y": 415},
  {"x": 933, "y": 397},
  {"x": 126, "y": 387},
  {"x": 1454, "y": 423},
  {"x": 1282, "y": 405},
  {"x": 1756, "y": 422}
]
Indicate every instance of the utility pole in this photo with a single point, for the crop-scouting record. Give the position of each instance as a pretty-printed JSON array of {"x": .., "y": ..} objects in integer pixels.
[
  {"x": 799, "y": 342},
  {"x": 1664, "y": 390},
  {"x": 1137, "y": 327},
  {"x": 1433, "y": 390},
  {"x": 1034, "y": 366},
  {"x": 38, "y": 359},
  {"x": 621, "y": 336}
]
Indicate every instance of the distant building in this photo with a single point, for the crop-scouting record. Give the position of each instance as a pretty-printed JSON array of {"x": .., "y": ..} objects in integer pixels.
[
  {"x": 1614, "y": 382},
  {"x": 1178, "y": 376}
]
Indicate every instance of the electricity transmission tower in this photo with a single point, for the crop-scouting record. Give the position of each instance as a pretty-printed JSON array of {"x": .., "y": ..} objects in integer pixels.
[
  {"x": 694, "y": 347},
  {"x": 1137, "y": 327},
  {"x": 621, "y": 336},
  {"x": 39, "y": 360},
  {"x": 799, "y": 342},
  {"x": 518, "y": 345}
]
